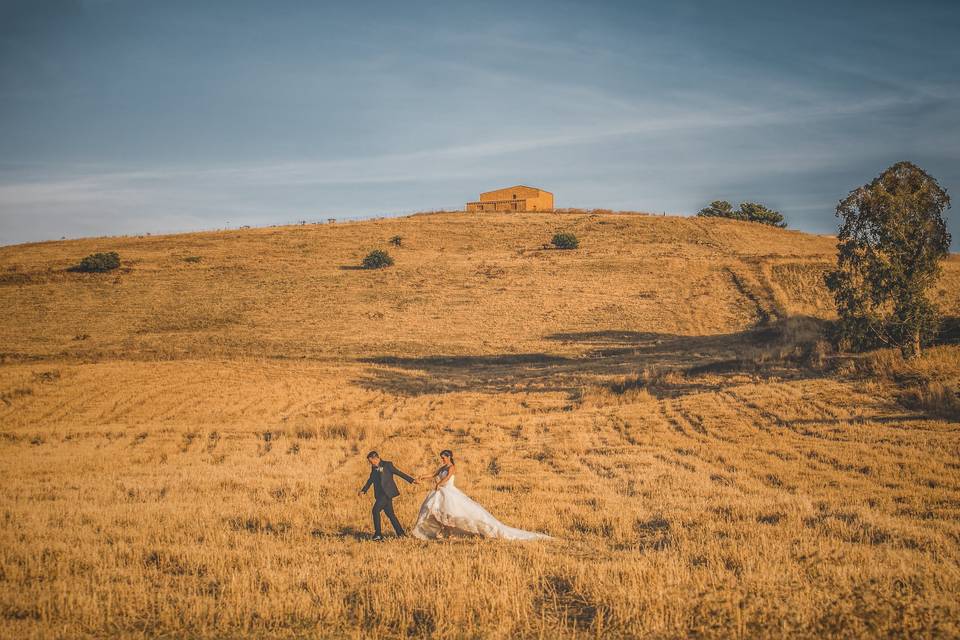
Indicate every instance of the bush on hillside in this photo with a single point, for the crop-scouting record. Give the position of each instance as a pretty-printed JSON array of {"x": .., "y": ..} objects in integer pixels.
[
  {"x": 396, "y": 241},
  {"x": 565, "y": 240},
  {"x": 98, "y": 263},
  {"x": 933, "y": 398},
  {"x": 377, "y": 259}
]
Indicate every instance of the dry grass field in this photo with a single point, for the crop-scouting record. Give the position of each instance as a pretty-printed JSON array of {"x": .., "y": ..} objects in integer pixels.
[{"x": 181, "y": 440}]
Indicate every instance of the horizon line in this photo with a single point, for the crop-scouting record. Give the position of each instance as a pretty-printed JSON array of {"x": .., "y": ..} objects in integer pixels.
[{"x": 330, "y": 220}]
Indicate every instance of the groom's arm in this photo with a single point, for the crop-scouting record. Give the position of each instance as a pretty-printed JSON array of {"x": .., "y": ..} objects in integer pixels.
[
  {"x": 367, "y": 485},
  {"x": 403, "y": 475}
]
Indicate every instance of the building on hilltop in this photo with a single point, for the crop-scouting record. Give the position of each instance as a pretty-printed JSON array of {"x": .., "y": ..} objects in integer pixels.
[{"x": 518, "y": 198}]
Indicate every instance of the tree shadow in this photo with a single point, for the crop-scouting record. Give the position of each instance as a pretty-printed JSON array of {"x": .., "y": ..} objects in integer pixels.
[
  {"x": 609, "y": 356},
  {"x": 511, "y": 373},
  {"x": 949, "y": 332}
]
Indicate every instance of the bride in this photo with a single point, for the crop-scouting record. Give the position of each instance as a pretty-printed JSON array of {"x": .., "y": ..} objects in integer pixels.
[{"x": 447, "y": 511}]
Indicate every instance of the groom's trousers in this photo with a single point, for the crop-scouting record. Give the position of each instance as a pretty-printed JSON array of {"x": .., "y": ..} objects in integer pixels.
[{"x": 385, "y": 504}]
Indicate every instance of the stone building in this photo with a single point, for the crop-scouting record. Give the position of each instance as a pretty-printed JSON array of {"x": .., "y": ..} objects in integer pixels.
[{"x": 518, "y": 198}]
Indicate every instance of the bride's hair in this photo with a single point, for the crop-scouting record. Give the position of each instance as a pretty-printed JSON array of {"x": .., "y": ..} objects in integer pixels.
[{"x": 446, "y": 453}]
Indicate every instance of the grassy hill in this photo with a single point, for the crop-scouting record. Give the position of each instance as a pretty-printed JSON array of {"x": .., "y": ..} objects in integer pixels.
[{"x": 181, "y": 440}]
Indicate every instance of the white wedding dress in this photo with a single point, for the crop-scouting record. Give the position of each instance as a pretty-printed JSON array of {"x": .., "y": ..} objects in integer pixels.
[{"x": 449, "y": 512}]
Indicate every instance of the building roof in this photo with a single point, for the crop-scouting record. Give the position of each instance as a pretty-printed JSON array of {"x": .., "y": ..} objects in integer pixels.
[{"x": 516, "y": 186}]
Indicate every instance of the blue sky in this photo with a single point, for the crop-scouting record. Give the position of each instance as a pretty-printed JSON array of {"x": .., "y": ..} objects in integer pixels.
[{"x": 121, "y": 117}]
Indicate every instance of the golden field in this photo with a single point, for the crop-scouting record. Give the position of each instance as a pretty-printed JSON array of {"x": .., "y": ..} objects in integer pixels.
[{"x": 181, "y": 440}]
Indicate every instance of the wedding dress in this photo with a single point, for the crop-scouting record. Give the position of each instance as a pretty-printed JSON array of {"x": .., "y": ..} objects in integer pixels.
[{"x": 447, "y": 511}]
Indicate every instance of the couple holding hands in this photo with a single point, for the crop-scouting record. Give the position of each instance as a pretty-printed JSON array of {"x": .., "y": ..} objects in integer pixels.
[{"x": 445, "y": 512}]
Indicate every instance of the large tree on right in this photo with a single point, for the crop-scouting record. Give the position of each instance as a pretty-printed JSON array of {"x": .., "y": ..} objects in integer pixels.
[{"x": 892, "y": 238}]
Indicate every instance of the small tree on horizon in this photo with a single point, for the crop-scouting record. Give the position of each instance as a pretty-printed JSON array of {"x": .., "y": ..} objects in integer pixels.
[
  {"x": 755, "y": 212},
  {"x": 717, "y": 209},
  {"x": 891, "y": 240},
  {"x": 748, "y": 211}
]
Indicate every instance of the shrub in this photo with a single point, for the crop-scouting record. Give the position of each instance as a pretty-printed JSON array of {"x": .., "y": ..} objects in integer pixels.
[
  {"x": 98, "y": 263},
  {"x": 192, "y": 259},
  {"x": 565, "y": 240},
  {"x": 396, "y": 241},
  {"x": 377, "y": 259},
  {"x": 933, "y": 398}
]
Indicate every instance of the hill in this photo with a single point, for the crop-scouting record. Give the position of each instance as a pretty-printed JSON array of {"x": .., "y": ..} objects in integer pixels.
[{"x": 182, "y": 439}]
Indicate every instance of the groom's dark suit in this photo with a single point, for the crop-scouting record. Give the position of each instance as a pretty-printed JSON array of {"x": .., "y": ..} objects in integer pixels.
[{"x": 384, "y": 491}]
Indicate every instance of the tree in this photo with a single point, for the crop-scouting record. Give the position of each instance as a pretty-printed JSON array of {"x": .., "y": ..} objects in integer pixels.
[
  {"x": 891, "y": 240},
  {"x": 717, "y": 209},
  {"x": 754, "y": 212},
  {"x": 749, "y": 211}
]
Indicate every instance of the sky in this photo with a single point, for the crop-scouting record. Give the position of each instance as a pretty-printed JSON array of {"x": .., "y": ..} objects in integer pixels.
[{"x": 130, "y": 117}]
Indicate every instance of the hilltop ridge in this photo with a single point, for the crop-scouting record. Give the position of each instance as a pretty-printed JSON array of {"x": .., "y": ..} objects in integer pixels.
[{"x": 461, "y": 283}]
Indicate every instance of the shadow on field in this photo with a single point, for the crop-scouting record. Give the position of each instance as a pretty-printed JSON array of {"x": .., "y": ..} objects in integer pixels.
[
  {"x": 949, "y": 330},
  {"x": 667, "y": 365},
  {"x": 342, "y": 533}
]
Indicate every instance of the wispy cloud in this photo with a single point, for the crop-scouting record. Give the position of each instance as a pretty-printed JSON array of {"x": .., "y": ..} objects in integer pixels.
[
  {"x": 165, "y": 198},
  {"x": 424, "y": 164}
]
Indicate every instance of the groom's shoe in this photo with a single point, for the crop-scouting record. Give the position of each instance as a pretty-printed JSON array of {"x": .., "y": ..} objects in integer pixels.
[{"x": 378, "y": 538}]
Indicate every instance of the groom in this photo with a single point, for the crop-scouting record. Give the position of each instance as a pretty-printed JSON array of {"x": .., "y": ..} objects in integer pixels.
[{"x": 384, "y": 491}]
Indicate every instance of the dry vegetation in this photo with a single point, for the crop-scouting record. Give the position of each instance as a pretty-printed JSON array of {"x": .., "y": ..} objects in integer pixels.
[{"x": 181, "y": 439}]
